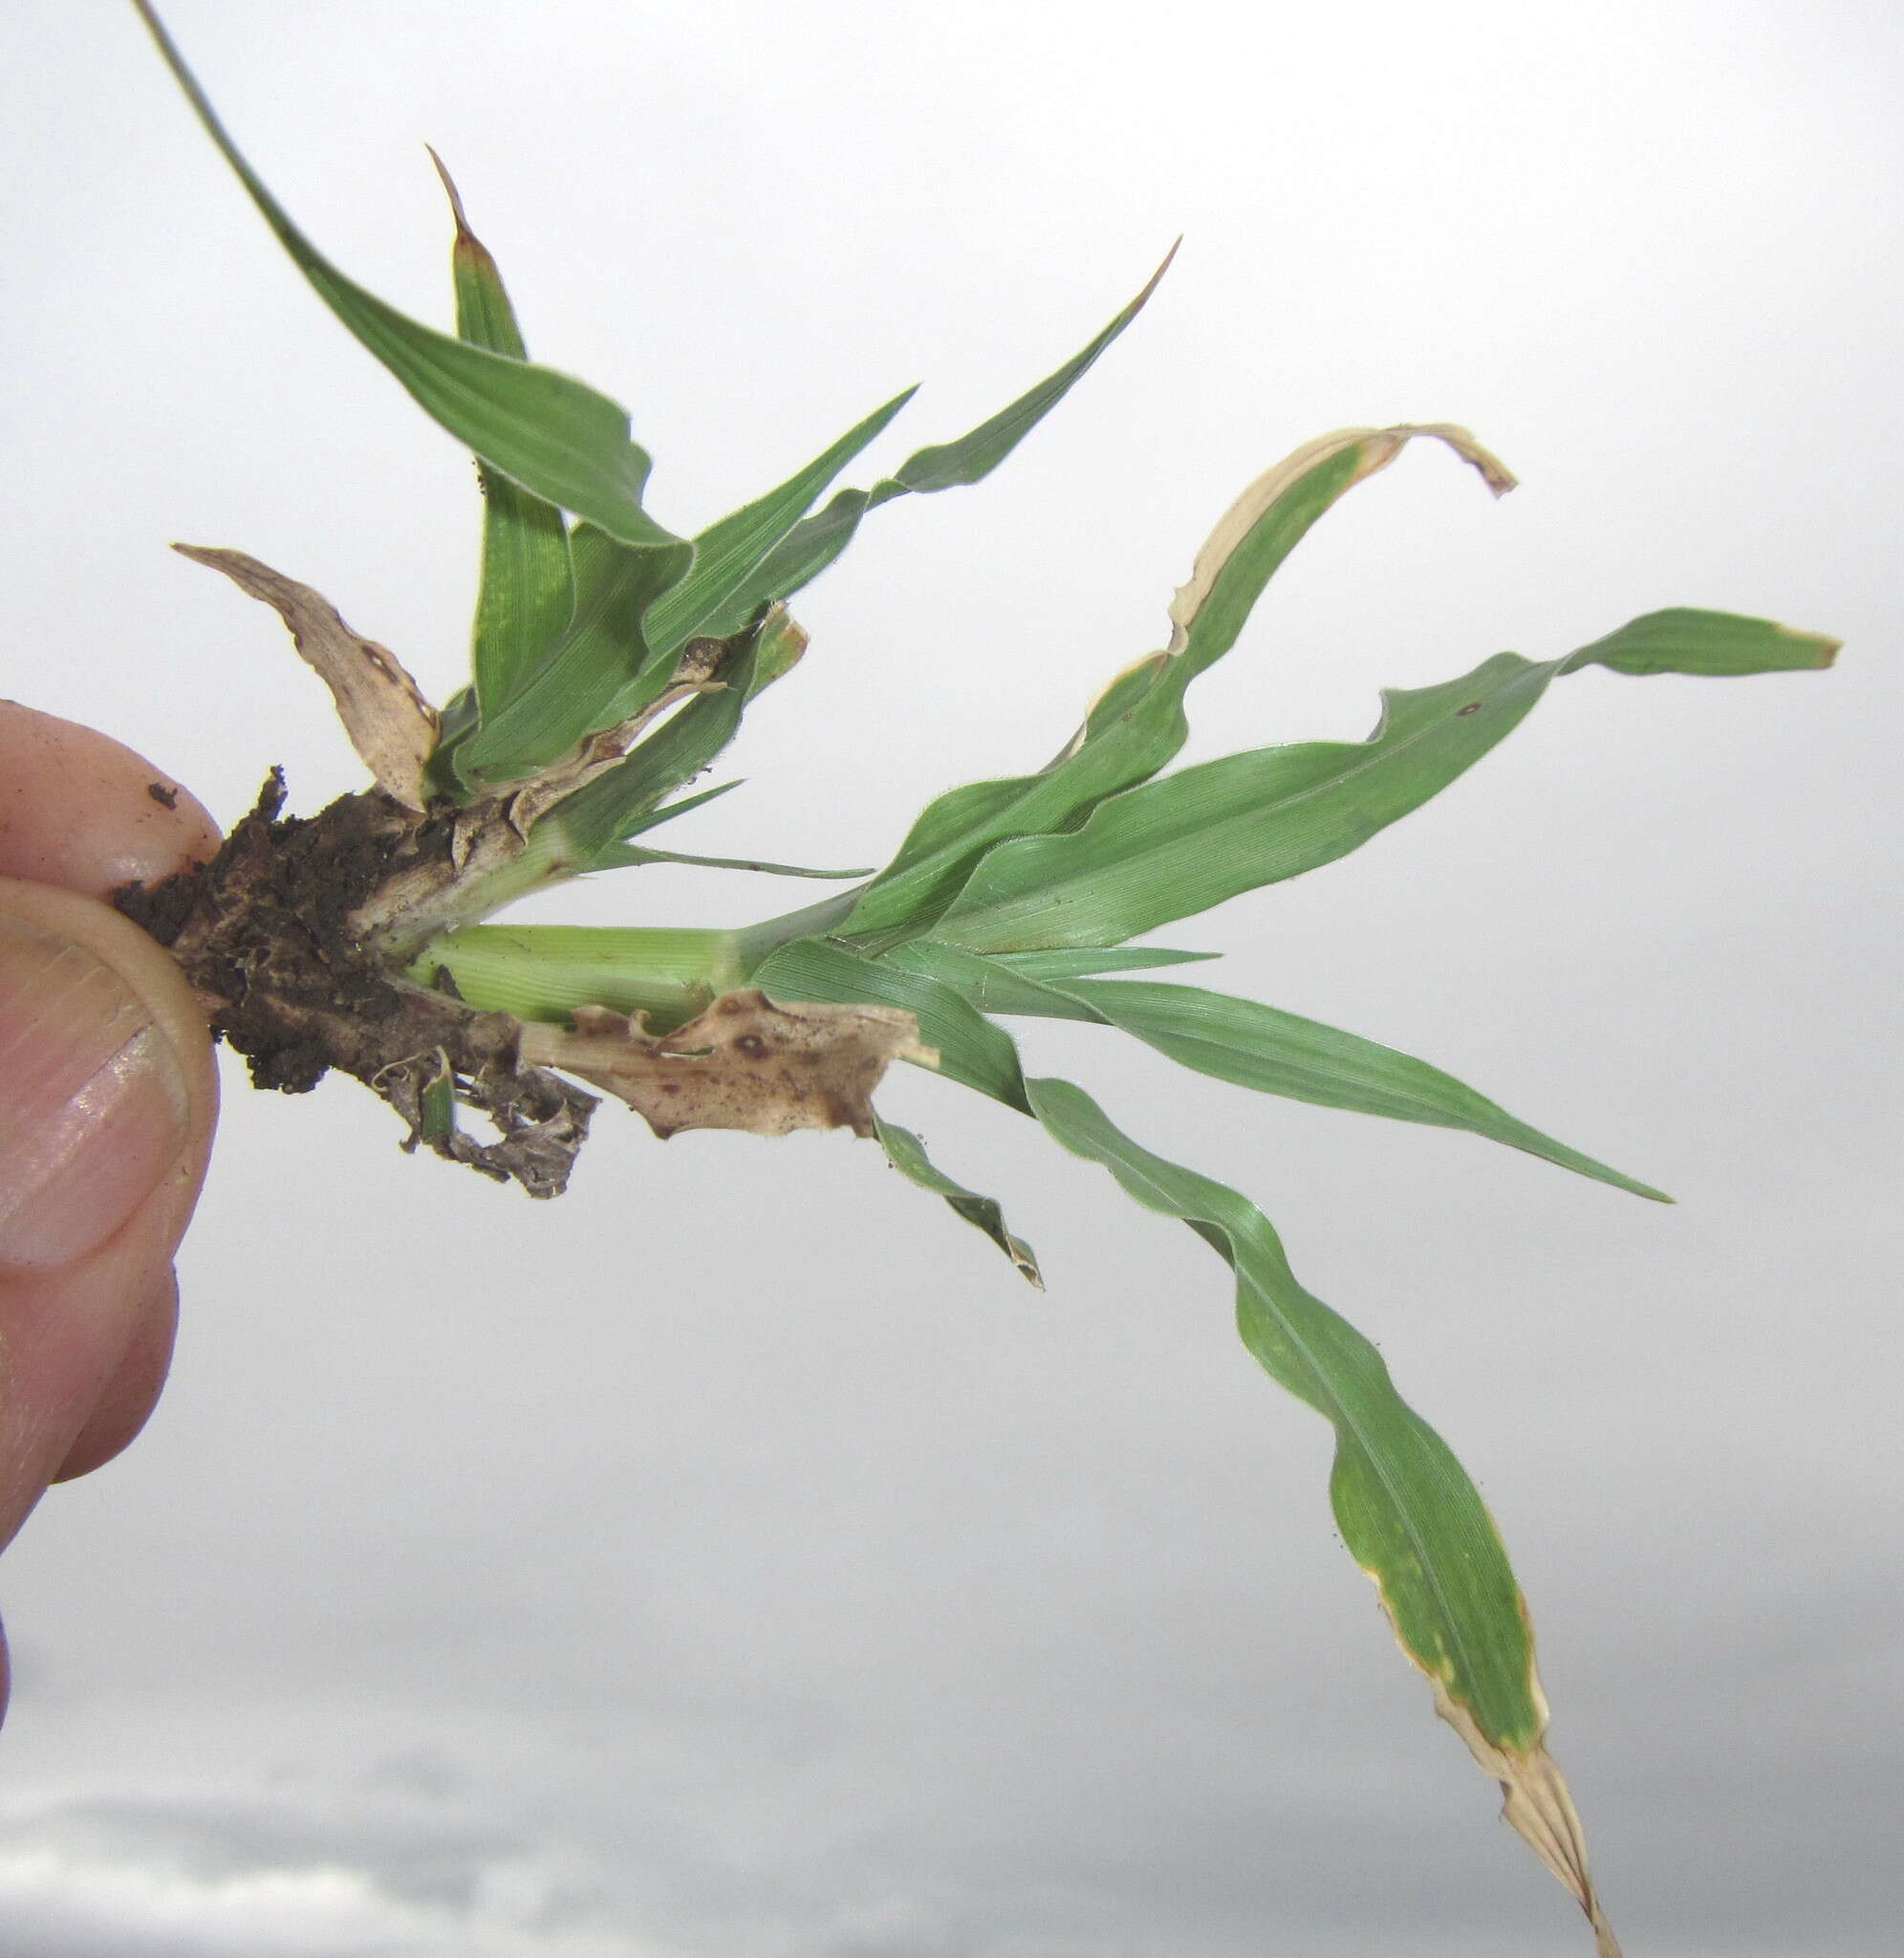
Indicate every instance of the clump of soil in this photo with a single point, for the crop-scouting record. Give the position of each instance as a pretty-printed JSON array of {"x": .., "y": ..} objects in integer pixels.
[{"x": 268, "y": 935}]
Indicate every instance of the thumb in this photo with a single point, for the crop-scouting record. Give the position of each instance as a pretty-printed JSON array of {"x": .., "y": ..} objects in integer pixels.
[{"x": 105, "y": 1087}]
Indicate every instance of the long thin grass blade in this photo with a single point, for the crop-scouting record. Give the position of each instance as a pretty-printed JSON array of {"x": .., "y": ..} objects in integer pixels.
[
  {"x": 812, "y": 544},
  {"x": 1174, "y": 847},
  {"x": 526, "y": 590},
  {"x": 631, "y": 856},
  {"x": 1408, "y": 1513},
  {"x": 727, "y": 553},
  {"x": 1715, "y": 644},
  {"x": 557, "y": 437},
  {"x": 1253, "y": 1046},
  {"x": 1137, "y": 724},
  {"x": 1067, "y": 963},
  {"x": 906, "y": 1153}
]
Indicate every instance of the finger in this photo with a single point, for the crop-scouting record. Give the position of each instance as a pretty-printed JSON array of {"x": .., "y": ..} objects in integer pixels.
[
  {"x": 80, "y": 810},
  {"x": 106, "y": 1103},
  {"x": 126, "y": 1401}
]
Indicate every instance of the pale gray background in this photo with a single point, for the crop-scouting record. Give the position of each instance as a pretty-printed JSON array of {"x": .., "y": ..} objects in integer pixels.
[{"x": 733, "y": 1560}]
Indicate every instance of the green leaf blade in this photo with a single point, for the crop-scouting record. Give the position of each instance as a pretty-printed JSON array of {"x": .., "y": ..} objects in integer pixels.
[
  {"x": 558, "y": 438},
  {"x": 812, "y": 544},
  {"x": 1137, "y": 724},
  {"x": 1172, "y": 848},
  {"x": 585, "y": 677},
  {"x": 729, "y": 581},
  {"x": 526, "y": 590},
  {"x": 1409, "y": 1513},
  {"x": 1714, "y": 644},
  {"x": 971, "y": 1050},
  {"x": 1277, "y": 1053},
  {"x": 906, "y": 1153}
]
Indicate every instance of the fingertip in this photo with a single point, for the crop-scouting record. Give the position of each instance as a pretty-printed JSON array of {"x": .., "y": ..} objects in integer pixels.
[
  {"x": 126, "y": 1401},
  {"x": 84, "y": 812}
]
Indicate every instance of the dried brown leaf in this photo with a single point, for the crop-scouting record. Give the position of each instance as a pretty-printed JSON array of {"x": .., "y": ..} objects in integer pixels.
[
  {"x": 392, "y": 727},
  {"x": 744, "y": 1063},
  {"x": 1537, "y": 1805}
]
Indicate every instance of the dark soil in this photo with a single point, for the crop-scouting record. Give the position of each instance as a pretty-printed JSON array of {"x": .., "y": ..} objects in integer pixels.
[{"x": 265, "y": 933}]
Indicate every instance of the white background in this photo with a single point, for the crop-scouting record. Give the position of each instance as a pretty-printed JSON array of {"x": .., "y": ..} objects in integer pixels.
[{"x": 734, "y": 1558}]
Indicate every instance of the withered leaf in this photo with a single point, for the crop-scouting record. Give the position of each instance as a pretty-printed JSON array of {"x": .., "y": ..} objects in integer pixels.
[
  {"x": 392, "y": 727},
  {"x": 744, "y": 1063}
]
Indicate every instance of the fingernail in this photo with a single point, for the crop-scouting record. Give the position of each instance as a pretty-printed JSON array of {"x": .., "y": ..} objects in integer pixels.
[{"x": 93, "y": 1107}]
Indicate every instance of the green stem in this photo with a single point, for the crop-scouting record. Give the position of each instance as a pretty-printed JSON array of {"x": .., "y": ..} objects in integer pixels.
[{"x": 546, "y": 972}]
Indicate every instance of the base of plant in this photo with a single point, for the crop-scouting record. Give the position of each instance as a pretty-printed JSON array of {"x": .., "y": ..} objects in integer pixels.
[{"x": 270, "y": 935}]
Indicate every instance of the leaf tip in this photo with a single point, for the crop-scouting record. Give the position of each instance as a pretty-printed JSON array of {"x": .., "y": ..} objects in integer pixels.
[
  {"x": 463, "y": 230},
  {"x": 1824, "y": 649}
]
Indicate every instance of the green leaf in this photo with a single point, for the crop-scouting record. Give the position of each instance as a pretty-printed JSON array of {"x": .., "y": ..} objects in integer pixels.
[
  {"x": 626, "y": 799},
  {"x": 559, "y": 439},
  {"x": 1409, "y": 1513},
  {"x": 616, "y": 803},
  {"x": 726, "y": 552},
  {"x": 617, "y": 656},
  {"x": 1058, "y": 968},
  {"x": 970, "y": 1048},
  {"x": 625, "y": 857},
  {"x": 811, "y": 546},
  {"x": 1138, "y": 723},
  {"x": 584, "y": 676},
  {"x": 906, "y": 1153},
  {"x": 1716, "y": 644},
  {"x": 527, "y": 590},
  {"x": 1175, "y": 848},
  {"x": 1253, "y": 1046}
]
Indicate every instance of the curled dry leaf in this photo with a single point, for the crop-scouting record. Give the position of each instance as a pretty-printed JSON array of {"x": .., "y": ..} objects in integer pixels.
[
  {"x": 1377, "y": 449},
  {"x": 392, "y": 727},
  {"x": 1538, "y": 1806},
  {"x": 744, "y": 1063}
]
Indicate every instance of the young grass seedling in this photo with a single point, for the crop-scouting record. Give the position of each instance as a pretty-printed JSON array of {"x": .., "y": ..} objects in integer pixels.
[{"x": 615, "y": 660}]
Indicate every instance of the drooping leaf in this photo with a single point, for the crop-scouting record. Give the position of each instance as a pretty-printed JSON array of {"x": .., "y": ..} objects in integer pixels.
[
  {"x": 1174, "y": 847},
  {"x": 906, "y": 1153},
  {"x": 526, "y": 590},
  {"x": 1409, "y": 1513},
  {"x": 1137, "y": 724},
  {"x": 558, "y": 438},
  {"x": 1256, "y": 1046},
  {"x": 813, "y": 544}
]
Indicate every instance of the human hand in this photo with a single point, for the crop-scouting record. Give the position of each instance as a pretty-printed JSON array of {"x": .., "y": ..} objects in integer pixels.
[{"x": 107, "y": 1098}]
